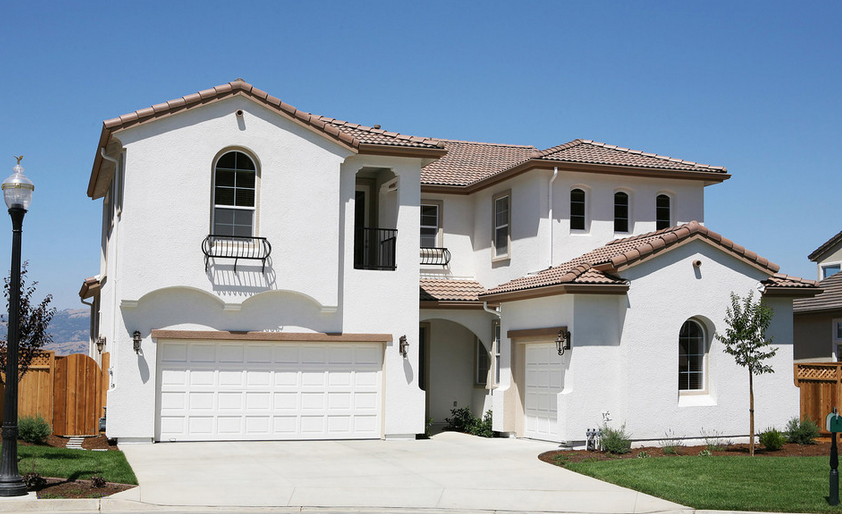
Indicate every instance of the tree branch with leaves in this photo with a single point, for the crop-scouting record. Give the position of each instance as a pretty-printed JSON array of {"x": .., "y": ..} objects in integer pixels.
[
  {"x": 745, "y": 339},
  {"x": 34, "y": 322}
]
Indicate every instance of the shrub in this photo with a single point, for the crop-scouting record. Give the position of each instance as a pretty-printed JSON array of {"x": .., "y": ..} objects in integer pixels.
[
  {"x": 464, "y": 421},
  {"x": 772, "y": 439},
  {"x": 670, "y": 444},
  {"x": 615, "y": 440},
  {"x": 97, "y": 482},
  {"x": 714, "y": 440},
  {"x": 643, "y": 455},
  {"x": 33, "y": 481},
  {"x": 804, "y": 432},
  {"x": 33, "y": 429},
  {"x": 705, "y": 453}
]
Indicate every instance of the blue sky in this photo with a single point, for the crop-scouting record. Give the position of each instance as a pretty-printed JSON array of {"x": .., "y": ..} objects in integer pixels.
[{"x": 753, "y": 86}]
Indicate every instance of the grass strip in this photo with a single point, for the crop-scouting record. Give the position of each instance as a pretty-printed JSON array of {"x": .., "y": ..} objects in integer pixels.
[
  {"x": 75, "y": 464},
  {"x": 779, "y": 484}
]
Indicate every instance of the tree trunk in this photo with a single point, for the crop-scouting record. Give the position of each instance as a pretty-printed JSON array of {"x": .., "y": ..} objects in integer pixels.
[{"x": 751, "y": 412}]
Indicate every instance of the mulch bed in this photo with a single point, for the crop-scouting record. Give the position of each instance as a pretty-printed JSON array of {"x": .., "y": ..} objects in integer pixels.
[
  {"x": 820, "y": 449},
  {"x": 64, "y": 488}
]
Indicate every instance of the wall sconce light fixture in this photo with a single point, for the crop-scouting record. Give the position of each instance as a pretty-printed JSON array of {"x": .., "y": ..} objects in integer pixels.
[
  {"x": 404, "y": 344},
  {"x": 562, "y": 342},
  {"x": 136, "y": 341},
  {"x": 100, "y": 343}
]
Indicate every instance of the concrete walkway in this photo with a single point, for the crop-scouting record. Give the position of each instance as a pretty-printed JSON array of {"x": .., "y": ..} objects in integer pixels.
[{"x": 450, "y": 471}]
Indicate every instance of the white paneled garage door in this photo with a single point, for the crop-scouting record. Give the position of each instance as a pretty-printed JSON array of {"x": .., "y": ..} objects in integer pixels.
[
  {"x": 543, "y": 383},
  {"x": 221, "y": 390}
]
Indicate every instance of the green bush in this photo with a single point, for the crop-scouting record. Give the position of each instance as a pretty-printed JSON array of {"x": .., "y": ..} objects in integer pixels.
[
  {"x": 772, "y": 439},
  {"x": 705, "y": 453},
  {"x": 804, "y": 432},
  {"x": 33, "y": 429},
  {"x": 615, "y": 440},
  {"x": 463, "y": 420}
]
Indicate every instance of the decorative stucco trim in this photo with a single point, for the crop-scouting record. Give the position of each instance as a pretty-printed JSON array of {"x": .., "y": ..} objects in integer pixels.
[
  {"x": 535, "y": 332},
  {"x": 217, "y": 335},
  {"x": 453, "y": 304},
  {"x": 128, "y": 304}
]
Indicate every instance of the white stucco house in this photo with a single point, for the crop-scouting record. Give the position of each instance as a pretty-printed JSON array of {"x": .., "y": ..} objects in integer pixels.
[{"x": 261, "y": 269}]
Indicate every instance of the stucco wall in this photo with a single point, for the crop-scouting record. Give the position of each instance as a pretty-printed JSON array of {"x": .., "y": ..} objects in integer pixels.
[{"x": 305, "y": 208}]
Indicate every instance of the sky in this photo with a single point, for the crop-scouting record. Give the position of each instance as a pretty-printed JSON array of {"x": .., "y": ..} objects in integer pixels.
[{"x": 755, "y": 86}]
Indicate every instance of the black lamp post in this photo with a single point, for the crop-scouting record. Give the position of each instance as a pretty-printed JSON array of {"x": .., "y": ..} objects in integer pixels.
[{"x": 17, "y": 192}]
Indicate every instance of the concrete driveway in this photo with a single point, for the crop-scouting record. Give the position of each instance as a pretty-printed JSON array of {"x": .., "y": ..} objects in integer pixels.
[{"x": 450, "y": 471}]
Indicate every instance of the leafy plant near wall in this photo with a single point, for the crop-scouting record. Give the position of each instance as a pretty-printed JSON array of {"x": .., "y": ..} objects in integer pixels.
[
  {"x": 463, "y": 420},
  {"x": 804, "y": 432},
  {"x": 615, "y": 440},
  {"x": 33, "y": 429},
  {"x": 772, "y": 439},
  {"x": 745, "y": 339}
]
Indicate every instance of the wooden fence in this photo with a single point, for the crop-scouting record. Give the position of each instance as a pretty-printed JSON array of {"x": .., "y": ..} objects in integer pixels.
[
  {"x": 69, "y": 392},
  {"x": 820, "y": 384}
]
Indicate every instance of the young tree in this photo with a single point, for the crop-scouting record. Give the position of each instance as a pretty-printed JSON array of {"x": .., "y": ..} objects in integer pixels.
[
  {"x": 34, "y": 322},
  {"x": 746, "y": 340}
]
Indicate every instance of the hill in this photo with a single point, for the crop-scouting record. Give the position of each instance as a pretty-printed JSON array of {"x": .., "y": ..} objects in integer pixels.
[{"x": 69, "y": 329}]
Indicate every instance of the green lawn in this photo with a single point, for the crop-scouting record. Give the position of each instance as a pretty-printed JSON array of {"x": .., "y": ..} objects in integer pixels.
[
  {"x": 75, "y": 464},
  {"x": 777, "y": 484}
]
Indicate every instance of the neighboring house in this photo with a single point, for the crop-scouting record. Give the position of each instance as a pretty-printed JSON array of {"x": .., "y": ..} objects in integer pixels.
[
  {"x": 828, "y": 257},
  {"x": 267, "y": 263},
  {"x": 818, "y": 320}
]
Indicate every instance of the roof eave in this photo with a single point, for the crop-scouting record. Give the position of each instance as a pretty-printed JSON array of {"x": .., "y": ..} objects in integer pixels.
[
  {"x": 401, "y": 151},
  {"x": 791, "y": 292},
  {"x": 450, "y": 304},
  {"x": 553, "y": 290}
]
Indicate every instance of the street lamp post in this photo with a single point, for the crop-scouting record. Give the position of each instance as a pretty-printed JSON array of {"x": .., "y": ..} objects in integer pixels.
[{"x": 17, "y": 192}]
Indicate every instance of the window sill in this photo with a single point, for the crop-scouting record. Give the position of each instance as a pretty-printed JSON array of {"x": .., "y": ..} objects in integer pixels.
[{"x": 695, "y": 399}]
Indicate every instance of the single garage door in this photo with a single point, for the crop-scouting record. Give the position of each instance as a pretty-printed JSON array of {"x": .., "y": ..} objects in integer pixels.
[
  {"x": 221, "y": 390},
  {"x": 543, "y": 383}
]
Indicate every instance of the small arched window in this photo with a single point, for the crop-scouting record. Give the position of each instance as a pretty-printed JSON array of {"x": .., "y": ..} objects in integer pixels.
[
  {"x": 692, "y": 350},
  {"x": 577, "y": 209},
  {"x": 662, "y": 212},
  {"x": 621, "y": 212},
  {"x": 234, "y": 195}
]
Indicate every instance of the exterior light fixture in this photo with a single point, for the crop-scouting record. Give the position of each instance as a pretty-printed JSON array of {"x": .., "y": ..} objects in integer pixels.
[
  {"x": 17, "y": 192},
  {"x": 562, "y": 342},
  {"x": 404, "y": 344},
  {"x": 100, "y": 343},
  {"x": 136, "y": 341}
]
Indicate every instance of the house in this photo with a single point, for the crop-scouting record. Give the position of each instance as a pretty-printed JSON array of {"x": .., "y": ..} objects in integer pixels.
[
  {"x": 267, "y": 273},
  {"x": 818, "y": 320}
]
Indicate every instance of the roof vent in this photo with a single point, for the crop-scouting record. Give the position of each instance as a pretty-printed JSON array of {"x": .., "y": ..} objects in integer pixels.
[{"x": 377, "y": 127}]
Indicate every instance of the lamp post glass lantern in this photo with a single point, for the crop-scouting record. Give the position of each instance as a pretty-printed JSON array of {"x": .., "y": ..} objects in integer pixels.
[{"x": 17, "y": 192}]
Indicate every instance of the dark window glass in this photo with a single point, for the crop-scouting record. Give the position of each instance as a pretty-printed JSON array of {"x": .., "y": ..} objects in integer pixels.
[
  {"x": 691, "y": 357},
  {"x": 234, "y": 195},
  {"x": 621, "y": 212},
  {"x": 577, "y": 209},
  {"x": 662, "y": 212}
]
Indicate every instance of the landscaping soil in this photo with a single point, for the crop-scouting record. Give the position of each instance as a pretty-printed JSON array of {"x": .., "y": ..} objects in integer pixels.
[
  {"x": 561, "y": 457},
  {"x": 64, "y": 488}
]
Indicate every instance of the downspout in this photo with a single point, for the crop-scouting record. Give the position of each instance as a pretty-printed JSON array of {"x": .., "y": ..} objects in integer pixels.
[
  {"x": 496, "y": 311},
  {"x": 115, "y": 239},
  {"x": 550, "y": 214}
]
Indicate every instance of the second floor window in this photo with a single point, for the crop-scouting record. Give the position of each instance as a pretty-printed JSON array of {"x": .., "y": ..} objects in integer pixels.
[
  {"x": 430, "y": 225},
  {"x": 621, "y": 212},
  {"x": 502, "y": 218},
  {"x": 577, "y": 209},
  {"x": 234, "y": 195},
  {"x": 662, "y": 212}
]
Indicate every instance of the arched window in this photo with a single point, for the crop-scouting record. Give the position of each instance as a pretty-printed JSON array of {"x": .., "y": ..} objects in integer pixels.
[
  {"x": 692, "y": 349},
  {"x": 621, "y": 212},
  {"x": 662, "y": 212},
  {"x": 234, "y": 195},
  {"x": 577, "y": 209}
]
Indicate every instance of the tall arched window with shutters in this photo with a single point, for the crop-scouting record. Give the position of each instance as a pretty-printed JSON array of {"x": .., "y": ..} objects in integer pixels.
[{"x": 234, "y": 195}]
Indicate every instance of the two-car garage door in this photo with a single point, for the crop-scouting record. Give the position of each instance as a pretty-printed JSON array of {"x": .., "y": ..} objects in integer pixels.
[{"x": 236, "y": 390}]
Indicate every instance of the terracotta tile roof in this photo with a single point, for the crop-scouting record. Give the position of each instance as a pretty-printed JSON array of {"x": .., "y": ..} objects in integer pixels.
[
  {"x": 827, "y": 245},
  {"x": 469, "y": 163},
  {"x": 357, "y": 137},
  {"x": 601, "y": 265},
  {"x": 592, "y": 152},
  {"x": 829, "y": 299},
  {"x": 443, "y": 289}
]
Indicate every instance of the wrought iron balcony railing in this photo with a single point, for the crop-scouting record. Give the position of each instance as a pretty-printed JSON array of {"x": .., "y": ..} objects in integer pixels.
[
  {"x": 434, "y": 256},
  {"x": 236, "y": 247},
  {"x": 374, "y": 248}
]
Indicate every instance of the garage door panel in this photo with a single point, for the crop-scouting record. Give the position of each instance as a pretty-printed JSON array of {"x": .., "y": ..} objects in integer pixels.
[
  {"x": 269, "y": 391},
  {"x": 543, "y": 383}
]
